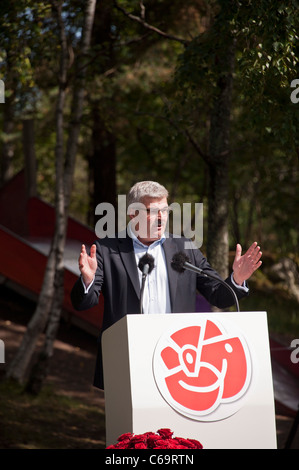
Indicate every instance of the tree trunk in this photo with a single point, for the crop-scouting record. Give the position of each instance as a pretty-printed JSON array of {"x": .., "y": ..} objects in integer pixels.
[
  {"x": 30, "y": 158},
  {"x": 18, "y": 367},
  {"x": 40, "y": 369},
  {"x": 218, "y": 242},
  {"x": 7, "y": 141},
  {"x": 102, "y": 155},
  {"x": 102, "y": 165},
  {"x": 64, "y": 178}
]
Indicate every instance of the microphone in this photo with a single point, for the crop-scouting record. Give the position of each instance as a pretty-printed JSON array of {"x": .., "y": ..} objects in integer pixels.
[
  {"x": 146, "y": 265},
  {"x": 180, "y": 262}
]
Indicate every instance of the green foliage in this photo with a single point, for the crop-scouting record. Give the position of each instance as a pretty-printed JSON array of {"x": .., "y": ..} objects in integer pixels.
[
  {"x": 25, "y": 40},
  {"x": 265, "y": 123},
  {"x": 155, "y": 95},
  {"x": 282, "y": 311}
]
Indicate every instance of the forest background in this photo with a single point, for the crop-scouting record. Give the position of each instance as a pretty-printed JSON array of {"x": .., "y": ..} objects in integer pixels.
[{"x": 199, "y": 95}]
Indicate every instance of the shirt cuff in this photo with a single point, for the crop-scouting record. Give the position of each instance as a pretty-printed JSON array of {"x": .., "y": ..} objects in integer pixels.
[
  {"x": 243, "y": 287},
  {"x": 86, "y": 289}
]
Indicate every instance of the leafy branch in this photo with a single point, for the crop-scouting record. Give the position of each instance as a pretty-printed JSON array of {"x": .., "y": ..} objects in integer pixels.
[{"x": 148, "y": 26}]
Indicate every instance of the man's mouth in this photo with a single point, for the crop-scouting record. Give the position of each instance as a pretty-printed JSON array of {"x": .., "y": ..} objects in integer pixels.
[{"x": 156, "y": 229}]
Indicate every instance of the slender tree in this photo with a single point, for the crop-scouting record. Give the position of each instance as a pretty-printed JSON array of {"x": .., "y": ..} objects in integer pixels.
[
  {"x": 232, "y": 90},
  {"x": 49, "y": 305},
  {"x": 219, "y": 148}
]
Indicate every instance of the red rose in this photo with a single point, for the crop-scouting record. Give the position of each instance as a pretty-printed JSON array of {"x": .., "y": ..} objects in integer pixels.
[
  {"x": 122, "y": 445},
  {"x": 150, "y": 435},
  {"x": 140, "y": 445},
  {"x": 160, "y": 444},
  {"x": 150, "y": 440},
  {"x": 126, "y": 436},
  {"x": 186, "y": 442},
  {"x": 197, "y": 444},
  {"x": 138, "y": 438},
  {"x": 165, "y": 433}
]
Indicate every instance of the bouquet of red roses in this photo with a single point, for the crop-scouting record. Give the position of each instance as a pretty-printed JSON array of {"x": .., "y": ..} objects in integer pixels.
[{"x": 161, "y": 440}]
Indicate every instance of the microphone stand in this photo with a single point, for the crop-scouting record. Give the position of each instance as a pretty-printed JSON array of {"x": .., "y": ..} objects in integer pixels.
[
  {"x": 190, "y": 267},
  {"x": 144, "y": 275}
]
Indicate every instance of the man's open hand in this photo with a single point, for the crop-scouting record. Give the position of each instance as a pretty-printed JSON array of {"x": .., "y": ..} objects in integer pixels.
[
  {"x": 88, "y": 264},
  {"x": 245, "y": 265}
]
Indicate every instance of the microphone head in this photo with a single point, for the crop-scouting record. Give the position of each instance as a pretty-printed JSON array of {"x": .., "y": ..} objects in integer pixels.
[
  {"x": 178, "y": 261},
  {"x": 146, "y": 260}
]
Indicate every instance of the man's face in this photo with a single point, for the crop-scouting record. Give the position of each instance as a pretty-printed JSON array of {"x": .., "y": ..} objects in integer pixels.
[{"x": 150, "y": 221}]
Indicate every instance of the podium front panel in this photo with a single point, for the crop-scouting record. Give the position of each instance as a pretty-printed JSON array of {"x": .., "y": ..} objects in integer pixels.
[{"x": 206, "y": 376}]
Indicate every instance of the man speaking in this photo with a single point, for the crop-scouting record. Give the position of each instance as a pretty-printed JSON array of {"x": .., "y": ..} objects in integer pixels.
[{"x": 138, "y": 266}]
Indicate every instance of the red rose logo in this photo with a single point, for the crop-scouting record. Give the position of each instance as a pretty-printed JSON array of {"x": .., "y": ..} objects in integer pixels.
[{"x": 201, "y": 368}]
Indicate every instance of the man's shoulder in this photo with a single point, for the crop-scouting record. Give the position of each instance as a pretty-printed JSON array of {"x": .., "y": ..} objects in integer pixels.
[
  {"x": 110, "y": 242},
  {"x": 181, "y": 242}
]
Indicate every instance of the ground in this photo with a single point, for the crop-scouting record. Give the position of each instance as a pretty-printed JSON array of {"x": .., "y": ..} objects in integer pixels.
[{"x": 72, "y": 366}]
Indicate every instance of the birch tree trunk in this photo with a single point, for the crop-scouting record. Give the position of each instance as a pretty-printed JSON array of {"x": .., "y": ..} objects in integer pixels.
[
  {"x": 29, "y": 156},
  {"x": 8, "y": 141},
  {"x": 7, "y": 150},
  {"x": 50, "y": 300},
  {"x": 19, "y": 366},
  {"x": 64, "y": 179}
]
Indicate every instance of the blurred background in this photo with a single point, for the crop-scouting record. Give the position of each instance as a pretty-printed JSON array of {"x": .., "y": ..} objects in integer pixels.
[{"x": 202, "y": 96}]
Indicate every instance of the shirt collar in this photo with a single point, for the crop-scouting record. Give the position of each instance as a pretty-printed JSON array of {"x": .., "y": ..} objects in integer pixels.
[{"x": 136, "y": 241}]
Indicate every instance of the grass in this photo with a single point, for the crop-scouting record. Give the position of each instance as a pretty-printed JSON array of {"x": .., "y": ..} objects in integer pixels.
[{"x": 47, "y": 421}]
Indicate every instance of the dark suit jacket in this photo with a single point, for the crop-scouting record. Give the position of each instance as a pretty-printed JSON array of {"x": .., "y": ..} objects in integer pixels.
[{"x": 117, "y": 279}]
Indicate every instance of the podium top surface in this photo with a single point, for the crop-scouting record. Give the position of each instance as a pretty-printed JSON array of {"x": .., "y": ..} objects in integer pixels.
[{"x": 172, "y": 317}]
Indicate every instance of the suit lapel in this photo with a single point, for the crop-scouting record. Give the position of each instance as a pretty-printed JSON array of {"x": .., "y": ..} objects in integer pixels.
[
  {"x": 127, "y": 255},
  {"x": 170, "y": 249}
]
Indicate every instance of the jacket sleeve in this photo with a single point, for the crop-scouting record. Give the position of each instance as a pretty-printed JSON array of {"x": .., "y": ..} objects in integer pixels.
[{"x": 214, "y": 291}]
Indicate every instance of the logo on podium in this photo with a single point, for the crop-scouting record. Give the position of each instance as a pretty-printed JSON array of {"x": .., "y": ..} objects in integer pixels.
[{"x": 203, "y": 370}]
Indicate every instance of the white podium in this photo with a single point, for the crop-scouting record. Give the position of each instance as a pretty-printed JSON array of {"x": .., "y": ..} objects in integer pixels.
[{"x": 206, "y": 376}]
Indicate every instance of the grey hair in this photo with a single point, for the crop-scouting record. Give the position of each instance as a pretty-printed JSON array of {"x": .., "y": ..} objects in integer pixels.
[{"x": 146, "y": 189}]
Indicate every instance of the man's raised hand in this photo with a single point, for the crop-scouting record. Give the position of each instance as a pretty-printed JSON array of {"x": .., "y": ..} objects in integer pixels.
[
  {"x": 245, "y": 265},
  {"x": 88, "y": 264}
]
